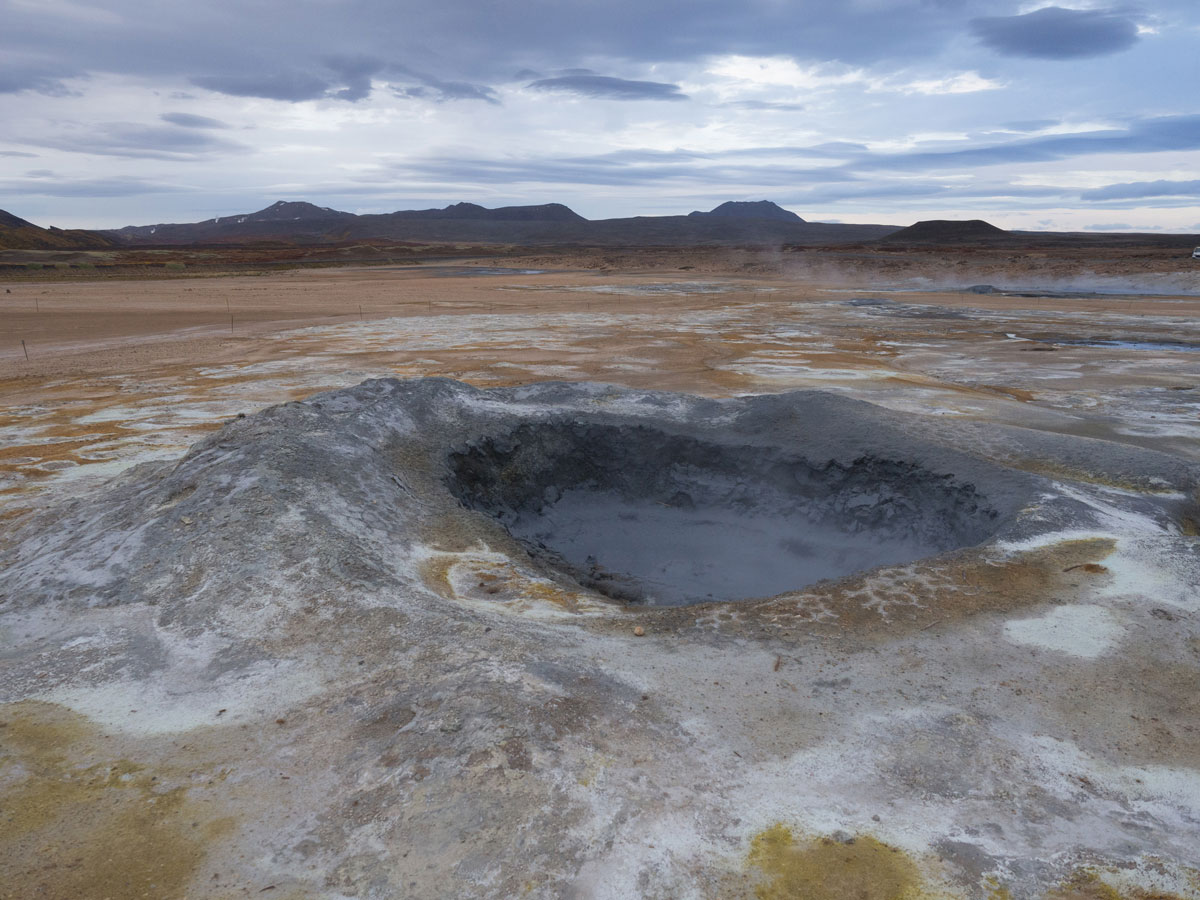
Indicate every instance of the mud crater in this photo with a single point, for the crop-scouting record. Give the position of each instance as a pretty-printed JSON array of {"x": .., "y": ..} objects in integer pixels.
[{"x": 644, "y": 515}]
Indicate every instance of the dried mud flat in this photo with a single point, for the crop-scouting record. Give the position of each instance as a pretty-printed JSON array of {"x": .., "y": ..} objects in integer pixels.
[{"x": 353, "y": 646}]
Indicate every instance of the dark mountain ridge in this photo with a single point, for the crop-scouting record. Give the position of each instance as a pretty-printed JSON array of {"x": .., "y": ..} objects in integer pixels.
[
  {"x": 18, "y": 234},
  {"x": 546, "y": 212},
  {"x": 8, "y": 220},
  {"x": 292, "y": 211},
  {"x": 289, "y": 220},
  {"x": 743, "y": 209},
  {"x": 735, "y": 223},
  {"x": 545, "y": 224}
]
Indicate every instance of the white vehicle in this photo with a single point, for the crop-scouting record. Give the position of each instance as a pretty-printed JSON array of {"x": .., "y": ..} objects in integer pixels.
[{"x": 1196, "y": 253}]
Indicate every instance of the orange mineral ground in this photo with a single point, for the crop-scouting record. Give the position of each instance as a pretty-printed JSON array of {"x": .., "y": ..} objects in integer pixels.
[{"x": 126, "y": 371}]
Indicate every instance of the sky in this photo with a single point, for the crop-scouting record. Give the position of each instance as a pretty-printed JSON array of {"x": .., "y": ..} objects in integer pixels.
[{"x": 1071, "y": 115}]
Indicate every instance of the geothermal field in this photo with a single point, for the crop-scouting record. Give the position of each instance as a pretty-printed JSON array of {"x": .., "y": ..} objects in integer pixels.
[{"x": 690, "y": 573}]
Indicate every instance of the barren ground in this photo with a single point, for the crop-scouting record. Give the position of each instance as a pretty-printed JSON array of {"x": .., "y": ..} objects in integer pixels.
[{"x": 122, "y": 372}]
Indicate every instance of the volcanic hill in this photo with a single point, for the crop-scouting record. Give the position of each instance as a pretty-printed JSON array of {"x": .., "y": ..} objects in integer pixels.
[
  {"x": 758, "y": 209},
  {"x": 18, "y": 234},
  {"x": 949, "y": 231}
]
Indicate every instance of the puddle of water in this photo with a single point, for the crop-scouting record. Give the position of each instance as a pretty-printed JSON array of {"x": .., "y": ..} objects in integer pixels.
[
  {"x": 477, "y": 271},
  {"x": 676, "y": 288},
  {"x": 1172, "y": 346},
  {"x": 678, "y": 556}
]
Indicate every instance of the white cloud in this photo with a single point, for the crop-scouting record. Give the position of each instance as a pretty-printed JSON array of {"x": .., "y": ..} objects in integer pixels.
[
  {"x": 783, "y": 71},
  {"x": 747, "y": 72},
  {"x": 960, "y": 83},
  {"x": 1026, "y": 8}
]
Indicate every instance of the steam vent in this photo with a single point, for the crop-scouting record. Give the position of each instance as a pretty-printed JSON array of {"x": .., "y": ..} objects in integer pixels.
[{"x": 417, "y": 639}]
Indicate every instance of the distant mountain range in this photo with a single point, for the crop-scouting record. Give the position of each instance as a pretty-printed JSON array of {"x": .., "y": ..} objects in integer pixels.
[
  {"x": 547, "y": 224},
  {"x": 17, "y": 234},
  {"x": 550, "y": 224}
]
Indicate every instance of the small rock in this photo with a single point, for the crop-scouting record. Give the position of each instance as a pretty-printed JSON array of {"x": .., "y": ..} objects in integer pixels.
[{"x": 639, "y": 631}]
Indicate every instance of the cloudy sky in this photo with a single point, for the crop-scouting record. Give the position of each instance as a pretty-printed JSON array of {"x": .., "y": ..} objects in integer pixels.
[{"x": 1081, "y": 114}]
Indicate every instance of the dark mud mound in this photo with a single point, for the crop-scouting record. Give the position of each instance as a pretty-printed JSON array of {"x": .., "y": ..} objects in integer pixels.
[{"x": 648, "y": 516}]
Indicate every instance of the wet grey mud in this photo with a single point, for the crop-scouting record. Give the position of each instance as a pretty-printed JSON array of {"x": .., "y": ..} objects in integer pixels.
[{"x": 643, "y": 515}]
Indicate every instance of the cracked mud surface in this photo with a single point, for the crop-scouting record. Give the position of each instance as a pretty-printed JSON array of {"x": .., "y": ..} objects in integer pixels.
[{"x": 293, "y": 663}]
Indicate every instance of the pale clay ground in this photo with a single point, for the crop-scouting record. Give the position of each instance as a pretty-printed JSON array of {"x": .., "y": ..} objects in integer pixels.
[{"x": 125, "y": 372}]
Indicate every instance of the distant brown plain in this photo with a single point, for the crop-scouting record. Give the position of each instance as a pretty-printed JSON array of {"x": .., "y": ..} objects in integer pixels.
[{"x": 73, "y": 325}]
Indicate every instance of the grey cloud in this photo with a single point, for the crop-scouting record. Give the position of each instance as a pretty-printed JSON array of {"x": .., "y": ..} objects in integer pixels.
[
  {"x": 883, "y": 190},
  {"x": 187, "y": 120},
  {"x": 622, "y": 168},
  {"x": 17, "y": 153},
  {"x": 711, "y": 173},
  {"x": 462, "y": 90},
  {"x": 836, "y": 150},
  {"x": 49, "y": 185},
  {"x": 139, "y": 141},
  {"x": 766, "y": 105},
  {"x": 1141, "y": 136},
  {"x": 1143, "y": 189},
  {"x": 289, "y": 52},
  {"x": 544, "y": 170},
  {"x": 830, "y": 193},
  {"x": 344, "y": 78},
  {"x": 293, "y": 86},
  {"x": 801, "y": 186},
  {"x": 40, "y": 79},
  {"x": 836, "y": 147},
  {"x": 429, "y": 87},
  {"x": 439, "y": 91},
  {"x": 1057, "y": 33},
  {"x": 355, "y": 75},
  {"x": 1121, "y": 226},
  {"x": 606, "y": 87},
  {"x": 635, "y": 157},
  {"x": 449, "y": 91},
  {"x": 459, "y": 90},
  {"x": 1030, "y": 125}
]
